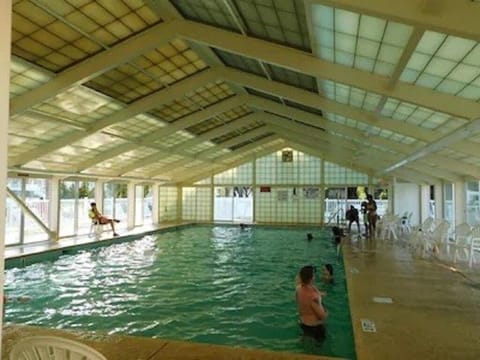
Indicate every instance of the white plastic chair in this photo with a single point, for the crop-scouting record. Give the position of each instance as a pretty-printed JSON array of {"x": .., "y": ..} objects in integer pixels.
[
  {"x": 52, "y": 348},
  {"x": 96, "y": 229},
  {"x": 437, "y": 239},
  {"x": 462, "y": 242},
  {"x": 474, "y": 245}
]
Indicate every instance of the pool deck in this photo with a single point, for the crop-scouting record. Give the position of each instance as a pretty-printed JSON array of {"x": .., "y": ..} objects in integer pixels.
[
  {"x": 434, "y": 315},
  {"x": 435, "y": 312}
]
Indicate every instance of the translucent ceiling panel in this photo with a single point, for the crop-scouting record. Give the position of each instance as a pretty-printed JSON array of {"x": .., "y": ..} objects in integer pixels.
[
  {"x": 423, "y": 117},
  {"x": 445, "y": 63},
  {"x": 349, "y": 95},
  {"x": 360, "y": 41}
]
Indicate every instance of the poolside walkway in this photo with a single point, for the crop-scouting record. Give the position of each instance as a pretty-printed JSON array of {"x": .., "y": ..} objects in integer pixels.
[{"x": 435, "y": 312}]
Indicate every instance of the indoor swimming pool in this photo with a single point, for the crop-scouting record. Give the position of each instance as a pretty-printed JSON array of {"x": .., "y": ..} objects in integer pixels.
[{"x": 211, "y": 284}]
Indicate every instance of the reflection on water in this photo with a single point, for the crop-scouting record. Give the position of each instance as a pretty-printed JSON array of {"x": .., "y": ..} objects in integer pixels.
[{"x": 218, "y": 285}]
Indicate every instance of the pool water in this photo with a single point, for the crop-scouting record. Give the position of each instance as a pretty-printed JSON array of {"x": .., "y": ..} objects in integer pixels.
[{"x": 211, "y": 284}]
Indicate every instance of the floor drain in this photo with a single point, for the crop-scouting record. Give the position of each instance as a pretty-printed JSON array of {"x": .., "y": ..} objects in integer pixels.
[
  {"x": 382, "y": 300},
  {"x": 368, "y": 325}
]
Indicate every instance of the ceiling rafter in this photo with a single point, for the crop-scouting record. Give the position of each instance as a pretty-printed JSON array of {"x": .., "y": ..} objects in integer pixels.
[
  {"x": 177, "y": 125},
  {"x": 178, "y": 149},
  {"x": 430, "y": 14},
  {"x": 95, "y": 65},
  {"x": 223, "y": 159},
  {"x": 317, "y": 102},
  {"x": 145, "y": 104},
  {"x": 306, "y": 63}
]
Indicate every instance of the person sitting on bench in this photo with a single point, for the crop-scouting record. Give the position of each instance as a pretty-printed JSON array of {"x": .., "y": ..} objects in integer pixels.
[{"x": 100, "y": 219}]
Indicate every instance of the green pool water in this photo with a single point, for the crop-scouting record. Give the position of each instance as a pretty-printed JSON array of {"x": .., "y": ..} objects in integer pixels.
[{"x": 211, "y": 284}]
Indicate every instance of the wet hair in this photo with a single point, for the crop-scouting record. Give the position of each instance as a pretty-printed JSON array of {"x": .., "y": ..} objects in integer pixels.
[
  {"x": 93, "y": 204},
  {"x": 329, "y": 268},
  {"x": 306, "y": 273},
  {"x": 369, "y": 197},
  {"x": 309, "y": 236}
]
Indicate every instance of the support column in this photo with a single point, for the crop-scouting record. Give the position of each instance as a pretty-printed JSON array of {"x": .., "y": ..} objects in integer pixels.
[
  {"x": 179, "y": 203},
  {"x": 6, "y": 31},
  {"x": 155, "y": 204},
  {"x": 439, "y": 200},
  {"x": 99, "y": 193},
  {"x": 424, "y": 202},
  {"x": 459, "y": 203},
  {"x": 131, "y": 205},
  {"x": 391, "y": 196},
  {"x": 54, "y": 213}
]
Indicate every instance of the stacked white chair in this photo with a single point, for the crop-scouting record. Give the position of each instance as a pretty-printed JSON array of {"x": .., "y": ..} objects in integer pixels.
[
  {"x": 389, "y": 227},
  {"x": 435, "y": 241},
  {"x": 52, "y": 348},
  {"x": 463, "y": 240},
  {"x": 474, "y": 245},
  {"x": 415, "y": 240}
]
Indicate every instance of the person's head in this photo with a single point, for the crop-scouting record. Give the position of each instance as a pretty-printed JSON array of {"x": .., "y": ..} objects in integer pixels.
[
  {"x": 352, "y": 207},
  {"x": 307, "y": 273},
  {"x": 309, "y": 237},
  {"x": 369, "y": 197},
  {"x": 93, "y": 205},
  {"x": 328, "y": 270}
]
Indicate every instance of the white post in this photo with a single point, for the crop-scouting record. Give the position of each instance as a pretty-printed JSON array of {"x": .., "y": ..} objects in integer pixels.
[
  {"x": 179, "y": 203},
  {"x": 424, "y": 202},
  {"x": 54, "y": 214},
  {"x": 99, "y": 194},
  {"x": 155, "y": 204},
  {"x": 460, "y": 203},
  {"x": 438, "y": 193},
  {"x": 6, "y": 29},
  {"x": 131, "y": 205}
]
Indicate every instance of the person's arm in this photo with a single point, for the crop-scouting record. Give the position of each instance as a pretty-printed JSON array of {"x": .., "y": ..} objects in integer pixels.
[{"x": 319, "y": 310}]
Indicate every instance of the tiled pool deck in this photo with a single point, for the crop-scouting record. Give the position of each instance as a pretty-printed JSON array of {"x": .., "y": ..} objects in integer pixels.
[{"x": 434, "y": 315}]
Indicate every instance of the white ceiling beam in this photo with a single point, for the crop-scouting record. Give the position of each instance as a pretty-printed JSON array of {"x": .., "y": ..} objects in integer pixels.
[
  {"x": 315, "y": 101},
  {"x": 319, "y": 121},
  {"x": 178, "y": 125},
  {"x": 310, "y": 99},
  {"x": 187, "y": 179},
  {"x": 96, "y": 65},
  {"x": 178, "y": 149},
  {"x": 459, "y": 18},
  {"x": 145, "y": 104},
  {"x": 224, "y": 159},
  {"x": 306, "y": 63},
  {"x": 456, "y": 136}
]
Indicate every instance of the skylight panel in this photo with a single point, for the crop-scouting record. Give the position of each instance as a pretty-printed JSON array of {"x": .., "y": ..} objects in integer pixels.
[
  {"x": 445, "y": 63},
  {"x": 356, "y": 40}
]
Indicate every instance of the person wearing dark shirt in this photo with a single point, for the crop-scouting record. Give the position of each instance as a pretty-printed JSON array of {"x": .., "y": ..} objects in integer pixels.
[{"x": 352, "y": 216}]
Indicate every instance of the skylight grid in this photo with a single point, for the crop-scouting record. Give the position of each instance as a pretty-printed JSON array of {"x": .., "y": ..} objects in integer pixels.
[
  {"x": 235, "y": 113},
  {"x": 134, "y": 127},
  {"x": 294, "y": 78},
  {"x": 175, "y": 110},
  {"x": 44, "y": 131},
  {"x": 24, "y": 78},
  {"x": 174, "y": 139},
  {"x": 150, "y": 72},
  {"x": 22, "y": 145},
  {"x": 420, "y": 116},
  {"x": 210, "y": 93},
  {"x": 447, "y": 64},
  {"x": 199, "y": 148},
  {"x": 350, "y": 95},
  {"x": 218, "y": 153},
  {"x": 205, "y": 125},
  {"x": 52, "y": 166},
  {"x": 46, "y": 32},
  {"x": 211, "y": 12},
  {"x": 278, "y": 21},
  {"x": 357, "y": 40},
  {"x": 99, "y": 142},
  {"x": 240, "y": 62}
]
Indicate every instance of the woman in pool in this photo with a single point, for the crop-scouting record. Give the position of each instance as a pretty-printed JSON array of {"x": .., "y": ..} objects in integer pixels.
[
  {"x": 327, "y": 273},
  {"x": 309, "y": 302}
]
